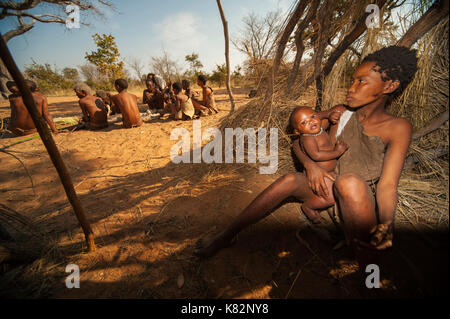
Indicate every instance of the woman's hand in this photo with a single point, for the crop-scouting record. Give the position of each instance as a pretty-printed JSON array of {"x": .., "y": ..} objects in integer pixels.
[
  {"x": 381, "y": 237},
  {"x": 335, "y": 116},
  {"x": 316, "y": 178},
  {"x": 340, "y": 146}
]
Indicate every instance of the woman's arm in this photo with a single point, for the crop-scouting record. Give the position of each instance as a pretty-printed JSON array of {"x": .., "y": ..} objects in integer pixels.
[
  {"x": 400, "y": 132},
  {"x": 315, "y": 174},
  {"x": 46, "y": 114}
]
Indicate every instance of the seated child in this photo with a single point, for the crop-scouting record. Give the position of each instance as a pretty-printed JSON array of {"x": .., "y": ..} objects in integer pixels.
[{"x": 316, "y": 143}]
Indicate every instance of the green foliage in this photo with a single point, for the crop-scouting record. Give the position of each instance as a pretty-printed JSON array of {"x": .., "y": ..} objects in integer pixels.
[
  {"x": 194, "y": 63},
  {"x": 219, "y": 75},
  {"x": 237, "y": 76},
  {"x": 106, "y": 58},
  {"x": 71, "y": 74},
  {"x": 48, "y": 79}
]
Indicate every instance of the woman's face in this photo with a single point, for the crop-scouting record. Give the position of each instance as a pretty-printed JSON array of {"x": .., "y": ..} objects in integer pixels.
[{"x": 367, "y": 86}]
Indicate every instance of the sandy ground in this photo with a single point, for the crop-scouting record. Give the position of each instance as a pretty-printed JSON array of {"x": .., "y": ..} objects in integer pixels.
[{"x": 147, "y": 213}]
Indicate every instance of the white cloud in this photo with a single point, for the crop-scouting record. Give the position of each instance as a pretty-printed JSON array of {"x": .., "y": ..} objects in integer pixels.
[{"x": 180, "y": 31}]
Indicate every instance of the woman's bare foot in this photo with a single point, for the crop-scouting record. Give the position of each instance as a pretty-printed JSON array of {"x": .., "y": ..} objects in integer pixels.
[{"x": 208, "y": 247}]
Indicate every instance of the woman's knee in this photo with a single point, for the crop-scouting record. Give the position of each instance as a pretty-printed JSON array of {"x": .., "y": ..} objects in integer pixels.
[{"x": 349, "y": 184}]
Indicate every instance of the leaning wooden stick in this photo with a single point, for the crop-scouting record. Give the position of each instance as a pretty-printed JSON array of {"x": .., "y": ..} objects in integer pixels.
[
  {"x": 49, "y": 143},
  {"x": 227, "y": 54}
]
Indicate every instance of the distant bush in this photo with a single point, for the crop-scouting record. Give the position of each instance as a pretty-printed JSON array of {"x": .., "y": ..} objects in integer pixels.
[{"x": 48, "y": 79}]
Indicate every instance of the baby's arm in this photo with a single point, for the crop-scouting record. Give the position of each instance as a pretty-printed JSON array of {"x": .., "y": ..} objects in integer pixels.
[{"x": 311, "y": 148}]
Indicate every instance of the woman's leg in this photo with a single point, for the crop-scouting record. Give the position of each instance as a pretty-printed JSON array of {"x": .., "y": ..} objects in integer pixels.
[
  {"x": 199, "y": 106},
  {"x": 293, "y": 184},
  {"x": 357, "y": 208}
]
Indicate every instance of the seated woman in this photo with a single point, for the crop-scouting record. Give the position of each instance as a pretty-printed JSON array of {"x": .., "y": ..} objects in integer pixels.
[
  {"x": 368, "y": 173},
  {"x": 180, "y": 105},
  {"x": 153, "y": 97},
  {"x": 208, "y": 100},
  {"x": 199, "y": 109}
]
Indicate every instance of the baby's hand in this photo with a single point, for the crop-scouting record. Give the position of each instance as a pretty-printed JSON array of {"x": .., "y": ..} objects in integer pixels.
[
  {"x": 340, "y": 146},
  {"x": 335, "y": 116}
]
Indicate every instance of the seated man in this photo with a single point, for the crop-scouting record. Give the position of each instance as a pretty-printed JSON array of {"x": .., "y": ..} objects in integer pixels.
[
  {"x": 208, "y": 100},
  {"x": 153, "y": 97},
  {"x": 127, "y": 104},
  {"x": 94, "y": 110},
  {"x": 21, "y": 121}
]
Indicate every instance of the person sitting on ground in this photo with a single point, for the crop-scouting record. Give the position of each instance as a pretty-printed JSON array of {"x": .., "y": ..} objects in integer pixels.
[
  {"x": 21, "y": 121},
  {"x": 181, "y": 108},
  {"x": 208, "y": 100},
  {"x": 106, "y": 98},
  {"x": 199, "y": 109},
  {"x": 95, "y": 114},
  {"x": 127, "y": 104},
  {"x": 316, "y": 144},
  {"x": 158, "y": 82},
  {"x": 368, "y": 173},
  {"x": 153, "y": 97}
]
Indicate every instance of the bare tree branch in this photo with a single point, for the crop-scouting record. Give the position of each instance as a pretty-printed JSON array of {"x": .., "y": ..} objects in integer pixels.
[{"x": 437, "y": 12}]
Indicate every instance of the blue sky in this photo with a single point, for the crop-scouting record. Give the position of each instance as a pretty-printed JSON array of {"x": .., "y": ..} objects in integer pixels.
[{"x": 142, "y": 28}]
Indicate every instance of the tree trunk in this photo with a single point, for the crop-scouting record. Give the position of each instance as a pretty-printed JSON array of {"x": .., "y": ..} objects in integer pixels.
[
  {"x": 437, "y": 12},
  {"x": 227, "y": 54},
  {"x": 434, "y": 125},
  {"x": 325, "y": 17},
  {"x": 300, "y": 46},
  {"x": 347, "y": 41},
  {"x": 279, "y": 54},
  {"x": 49, "y": 143}
]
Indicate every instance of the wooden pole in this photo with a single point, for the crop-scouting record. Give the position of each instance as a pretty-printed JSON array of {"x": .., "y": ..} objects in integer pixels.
[
  {"x": 227, "y": 54},
  {"x": 49, "y": 143}
]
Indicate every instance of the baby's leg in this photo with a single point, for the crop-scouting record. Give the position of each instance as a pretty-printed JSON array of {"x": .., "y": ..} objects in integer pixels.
[{"x": 315, "y": 204}]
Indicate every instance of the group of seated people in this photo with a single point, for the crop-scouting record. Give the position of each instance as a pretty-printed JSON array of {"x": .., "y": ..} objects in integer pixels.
[
  {"x": 175, "y": 99},
  {"x": 179, "y": 100}
]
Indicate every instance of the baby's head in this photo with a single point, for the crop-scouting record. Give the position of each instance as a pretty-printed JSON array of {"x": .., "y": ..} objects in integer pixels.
[{"x": 304, "y": 120}]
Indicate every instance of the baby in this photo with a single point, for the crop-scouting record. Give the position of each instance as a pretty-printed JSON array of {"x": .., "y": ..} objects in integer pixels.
[{"x": 317, "y": 144}]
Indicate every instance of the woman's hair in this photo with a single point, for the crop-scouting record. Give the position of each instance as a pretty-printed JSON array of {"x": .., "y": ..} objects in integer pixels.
[
  {"x": 10, "y": 84},
  {"x": 82, "y": 87},
  {"x": 177, "y": 86},
  {"x": 186, "y": 83},
  {"x": 31, "y": 85},
  {"x": 202, "y": 78},
  {"x": 396, "y": 63}
]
